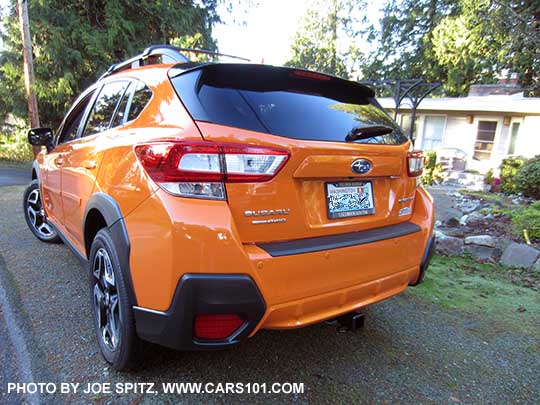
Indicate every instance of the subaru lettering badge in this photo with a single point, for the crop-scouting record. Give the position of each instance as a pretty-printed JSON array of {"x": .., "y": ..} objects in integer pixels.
[{"x": 361, "y": 166}]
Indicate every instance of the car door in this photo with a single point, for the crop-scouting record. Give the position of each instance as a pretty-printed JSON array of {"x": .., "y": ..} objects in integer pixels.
[
  {"x": 81, "y": 164},
  {"x": 53, "y": 161}
]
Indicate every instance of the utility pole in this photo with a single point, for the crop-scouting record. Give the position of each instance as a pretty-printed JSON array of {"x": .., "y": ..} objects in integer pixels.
[{"x": 28, "y": 66}]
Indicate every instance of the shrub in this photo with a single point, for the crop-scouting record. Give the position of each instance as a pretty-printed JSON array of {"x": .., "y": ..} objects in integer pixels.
[
  {"x": 17, "y": 151},
  {"x": 528, "y": 178},
  {"x": 433, "y": 171},
  {"x": 527, "y": 218},
  {"x": 509, "y": 168},
  {"x": 488, "y": 177}
]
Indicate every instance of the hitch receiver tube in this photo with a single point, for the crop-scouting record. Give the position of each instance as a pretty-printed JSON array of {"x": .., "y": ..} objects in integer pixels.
[{"x": 352, "y": 321}]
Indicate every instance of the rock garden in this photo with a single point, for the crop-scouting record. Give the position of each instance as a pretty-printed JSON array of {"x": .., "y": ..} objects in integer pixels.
[{"x": 491, "y": 226}]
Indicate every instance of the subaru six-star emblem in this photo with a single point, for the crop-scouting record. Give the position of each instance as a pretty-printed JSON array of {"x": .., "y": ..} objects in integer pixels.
[{"x": 361, "y": 166}]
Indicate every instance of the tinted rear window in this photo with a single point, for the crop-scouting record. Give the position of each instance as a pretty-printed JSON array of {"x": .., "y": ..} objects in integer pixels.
[{"x": 273, "y": 100}]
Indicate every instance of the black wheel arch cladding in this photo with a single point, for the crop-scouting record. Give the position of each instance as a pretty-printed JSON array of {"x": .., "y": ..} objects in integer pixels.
[{"x": 114, "y": 220}]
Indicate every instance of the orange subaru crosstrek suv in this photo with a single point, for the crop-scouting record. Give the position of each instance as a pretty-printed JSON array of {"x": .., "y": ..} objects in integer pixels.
[{"x": 212, "y": 200}]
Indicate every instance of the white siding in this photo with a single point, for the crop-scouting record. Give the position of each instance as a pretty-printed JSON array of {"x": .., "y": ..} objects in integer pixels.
[{"x": 528, "y": 140}]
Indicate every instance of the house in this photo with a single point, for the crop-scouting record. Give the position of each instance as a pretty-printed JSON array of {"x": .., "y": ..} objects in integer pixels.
[{"x": 491, "y": 123}]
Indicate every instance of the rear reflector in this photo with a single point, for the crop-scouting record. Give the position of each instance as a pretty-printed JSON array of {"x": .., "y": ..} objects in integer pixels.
[
  {"x": 216, "y": 326},
  {"x": 415, "y": 163},
  {"x": 201, "y": 169}
]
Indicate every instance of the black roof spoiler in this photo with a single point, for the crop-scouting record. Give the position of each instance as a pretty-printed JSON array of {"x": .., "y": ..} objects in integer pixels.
[
  {"x": 259, "y": 77},
  {"x": 170, "y": 54}
]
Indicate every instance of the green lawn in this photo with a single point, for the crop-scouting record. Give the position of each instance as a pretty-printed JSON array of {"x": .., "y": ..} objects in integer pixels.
[{"x": 485, "y": 289}]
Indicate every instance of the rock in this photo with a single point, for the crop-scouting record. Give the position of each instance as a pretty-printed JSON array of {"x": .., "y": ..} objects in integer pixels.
[
  {"x": 483, "y": 253},
  {"x": 469, "y": 206},
  {"x": 502, "y": 243},
  {"x": 481, "y": 240},
  {"x": 452, "y": 222},
  {"x": 438, "y": 224},
  {"x": 456, "y": 232},
  {"x": 520, "y": 255},
  {"x": 438, "y": 234},
  {"x": 472, "y": 217},
  {"x": 449, "y": 246},
  {"x": 536, "y": 265}
]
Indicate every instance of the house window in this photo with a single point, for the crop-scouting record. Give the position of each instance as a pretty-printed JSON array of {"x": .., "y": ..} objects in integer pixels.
[
  {"x": 406, "y": 123},
  {"x": 513, "y": 138},
  {"x": 484, "y": 140},
  {"x": 434, "y": 126}
]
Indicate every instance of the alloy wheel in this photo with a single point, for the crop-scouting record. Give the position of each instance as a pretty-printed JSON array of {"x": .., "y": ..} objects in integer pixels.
[
  {"x": 106, "y": 303},
  {"x": 37, "y": 216}
]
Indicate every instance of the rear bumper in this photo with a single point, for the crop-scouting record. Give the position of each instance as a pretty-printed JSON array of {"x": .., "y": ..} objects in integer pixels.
[
  {"x": 239, "y": 294},
  {"x": 202, "y": 294},
  {"x": 181, "y": 268}
]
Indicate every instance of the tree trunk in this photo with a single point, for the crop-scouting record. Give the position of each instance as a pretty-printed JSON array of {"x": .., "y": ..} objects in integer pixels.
[
  {"x": 28, "y": 66},
  {"x": 334, "y": 27}
]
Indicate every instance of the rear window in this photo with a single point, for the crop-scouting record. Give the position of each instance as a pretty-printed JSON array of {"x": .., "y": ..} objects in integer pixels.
[{"x": 282, "y": 102}]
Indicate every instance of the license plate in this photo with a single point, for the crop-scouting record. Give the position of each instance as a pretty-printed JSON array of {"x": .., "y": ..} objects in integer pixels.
[{"x": 349, "y": 199}]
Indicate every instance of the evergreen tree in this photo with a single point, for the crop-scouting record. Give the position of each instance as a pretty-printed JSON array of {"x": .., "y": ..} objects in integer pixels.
[
  {"x": 326, "y": 40},
  {"x": 518, "y": 21},
  {"x": 75, "y": 42},
  {"x": 457, "y": 42},
  {"x": 403, "y": 40}
]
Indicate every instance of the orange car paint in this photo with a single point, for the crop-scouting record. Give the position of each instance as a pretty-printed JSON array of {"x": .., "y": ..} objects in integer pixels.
[{"x": 172, "y": 236}]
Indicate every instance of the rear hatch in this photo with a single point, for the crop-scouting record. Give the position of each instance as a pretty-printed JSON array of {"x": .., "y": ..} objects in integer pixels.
[{"x": 328, "y": 185}]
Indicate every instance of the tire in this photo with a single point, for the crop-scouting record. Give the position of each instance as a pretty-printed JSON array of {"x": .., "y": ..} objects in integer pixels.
[
  {"x": 35, "y": 215},
  {"x": 112, "y": 312}
]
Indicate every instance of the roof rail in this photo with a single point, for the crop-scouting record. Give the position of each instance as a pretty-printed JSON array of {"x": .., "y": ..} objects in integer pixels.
[
  {"x": 206, "y": 52},
  {"x": 169, "y": 54}
]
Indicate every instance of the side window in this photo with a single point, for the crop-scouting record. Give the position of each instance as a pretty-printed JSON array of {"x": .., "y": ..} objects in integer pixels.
[
  {"x": 69, "y": 130},
  {"x": 141, "y": 97},
  {"x": 120, "y": 116},
  {"x": 102, "y": 113}
]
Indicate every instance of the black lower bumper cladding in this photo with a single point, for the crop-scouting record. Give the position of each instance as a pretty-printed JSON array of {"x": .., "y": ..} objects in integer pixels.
[
  {"x": 426, "y": 259},
  {"x": 202, "y": 294}
]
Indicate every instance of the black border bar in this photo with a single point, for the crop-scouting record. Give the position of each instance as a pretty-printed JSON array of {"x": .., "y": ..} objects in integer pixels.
[{"x": 295, "y": 247}]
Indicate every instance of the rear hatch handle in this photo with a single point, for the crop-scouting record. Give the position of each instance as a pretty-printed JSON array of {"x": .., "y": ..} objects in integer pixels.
[{"x": 358, "y": 133}]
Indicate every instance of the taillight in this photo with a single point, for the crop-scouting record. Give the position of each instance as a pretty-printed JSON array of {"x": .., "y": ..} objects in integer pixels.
[
  {"x": 415, "y": 163},
  {"x": 216, "y": 326},
  {"x": 201, "y": 169}
]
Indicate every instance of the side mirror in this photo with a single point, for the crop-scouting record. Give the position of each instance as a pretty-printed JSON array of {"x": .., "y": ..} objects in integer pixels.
[{"x": 41, "y": 137}]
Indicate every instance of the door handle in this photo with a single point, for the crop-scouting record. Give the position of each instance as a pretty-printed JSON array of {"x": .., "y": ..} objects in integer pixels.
[
  {"x": 59, "y": 161},
  {"x": 89, "y": 164}
]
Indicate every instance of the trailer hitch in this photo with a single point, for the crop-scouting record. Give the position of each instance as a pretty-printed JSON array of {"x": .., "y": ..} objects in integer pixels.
[{"x": 349, "y": 322}]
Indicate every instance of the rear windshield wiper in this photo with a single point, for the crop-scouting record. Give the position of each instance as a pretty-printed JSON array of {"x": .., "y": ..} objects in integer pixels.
[{"x": 358, "y": 133}]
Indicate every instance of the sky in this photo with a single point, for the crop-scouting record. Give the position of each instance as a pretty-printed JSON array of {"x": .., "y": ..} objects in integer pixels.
[
  {"x": 3, "y": 5},
  {"x": 264, "y": 30},
  {"x": 267, "y": 33},
  {"x": 269, "y": 29}
]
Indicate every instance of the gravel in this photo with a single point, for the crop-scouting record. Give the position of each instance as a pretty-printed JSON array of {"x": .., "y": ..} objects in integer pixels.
[{"x": 409, "y": 351}]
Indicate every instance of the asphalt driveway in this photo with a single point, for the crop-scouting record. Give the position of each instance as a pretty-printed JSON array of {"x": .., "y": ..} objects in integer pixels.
[
  {"x": 410, "y": 350},
  {"x": 10, "y": 176}
]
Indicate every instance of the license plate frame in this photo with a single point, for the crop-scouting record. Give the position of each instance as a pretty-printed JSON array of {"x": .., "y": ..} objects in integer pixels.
[{"x": 361, "y": 210}]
